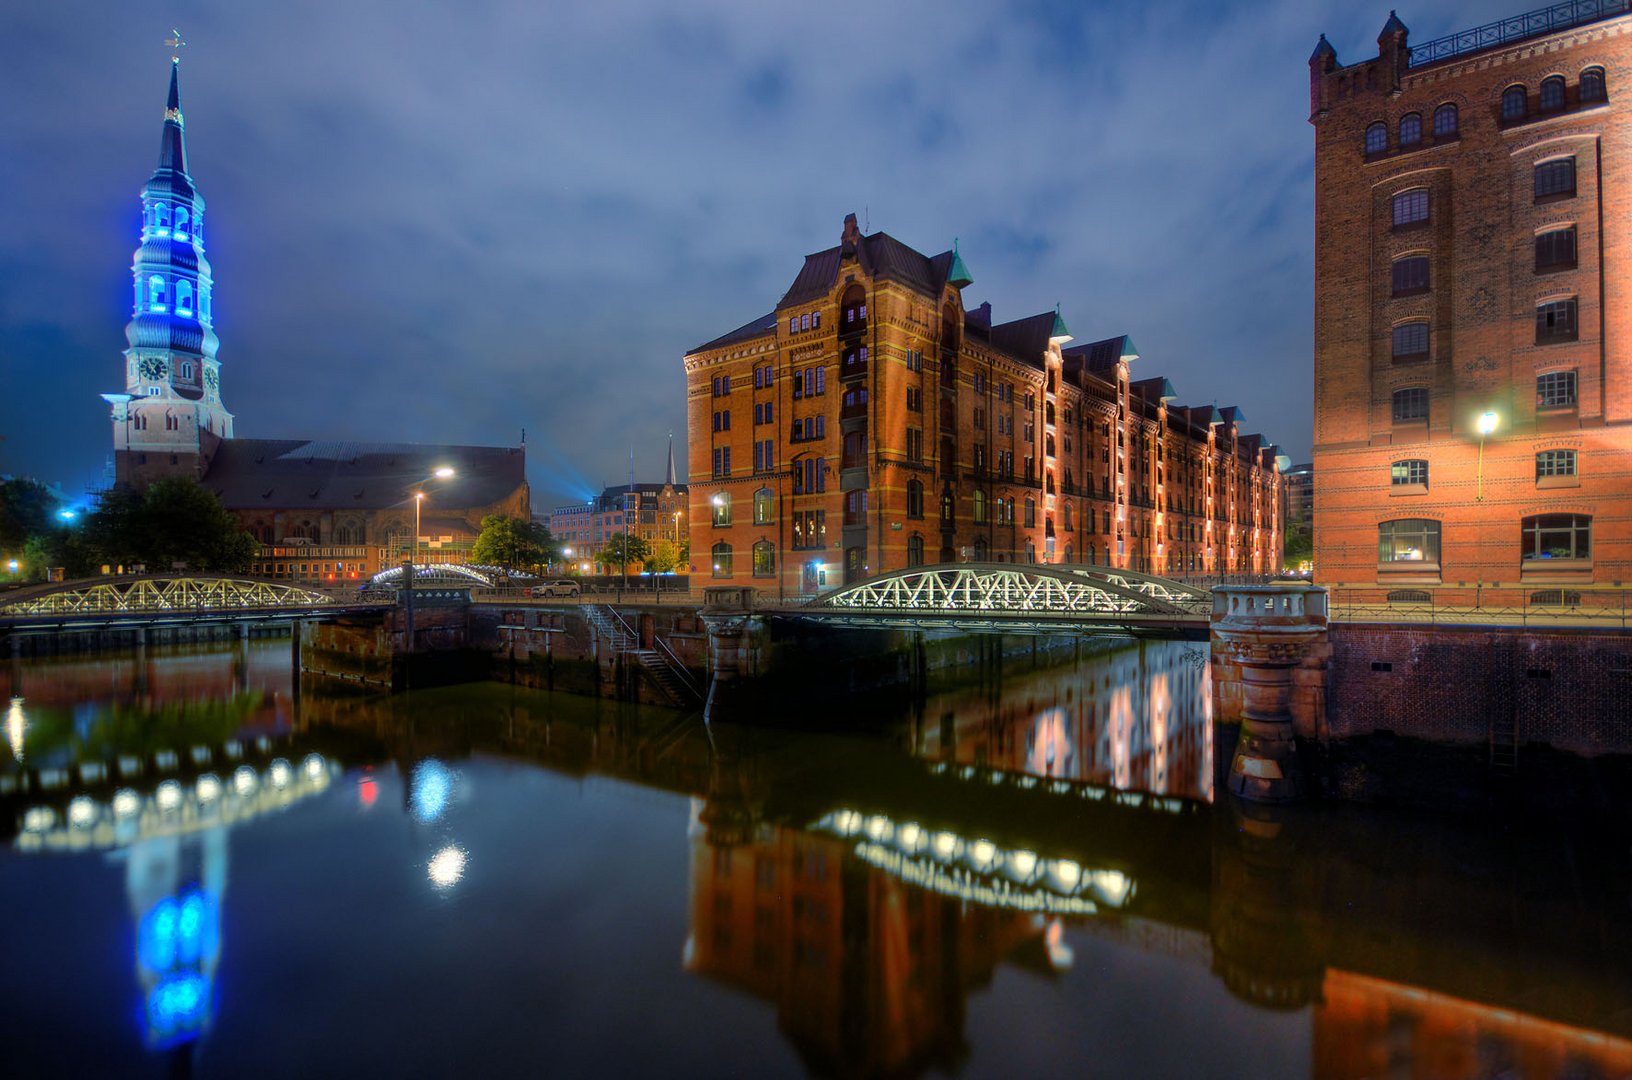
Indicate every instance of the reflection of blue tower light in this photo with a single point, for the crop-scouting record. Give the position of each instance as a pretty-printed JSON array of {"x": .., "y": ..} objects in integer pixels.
[
  {"x": 430, "y": 786},
  {"x": 176, "y": 940}
]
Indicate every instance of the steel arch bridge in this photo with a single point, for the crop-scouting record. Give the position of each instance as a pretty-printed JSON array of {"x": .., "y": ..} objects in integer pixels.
[
  {"x": 195, "y": 594},
  {"x": 1013, "y": 597}
]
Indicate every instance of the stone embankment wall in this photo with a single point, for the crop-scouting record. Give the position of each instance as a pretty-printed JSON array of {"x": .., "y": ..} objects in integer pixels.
[
  {"x": 559, "y": 648},
  {"x": 1570, "y": 689}
]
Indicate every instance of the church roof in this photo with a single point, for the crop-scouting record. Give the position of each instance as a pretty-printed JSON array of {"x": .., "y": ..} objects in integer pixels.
[
  {"x": 171, "y": 175},
  {"x": 251, "y": 474}
]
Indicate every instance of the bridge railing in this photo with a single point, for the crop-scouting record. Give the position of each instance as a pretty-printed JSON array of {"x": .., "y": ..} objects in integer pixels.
[{"x": 1496, "y": 605}]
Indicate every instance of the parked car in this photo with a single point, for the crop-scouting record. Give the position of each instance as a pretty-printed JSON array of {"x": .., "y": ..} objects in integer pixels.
[{"x": 554, "y": 588}]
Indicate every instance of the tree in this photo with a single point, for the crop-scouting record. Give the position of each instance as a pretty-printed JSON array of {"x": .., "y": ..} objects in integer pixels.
[
  {"x": 27, "y": 508},
  {"x": 513, "y": 543},
  {"x": 1299, "y": 547},
  {"x": 615, "y": 559},
  {"x": 663, "y": 557},
  {"x": 177, "y": 521}
]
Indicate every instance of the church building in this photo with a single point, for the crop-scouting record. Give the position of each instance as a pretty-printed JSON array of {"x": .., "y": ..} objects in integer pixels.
[{"x": 323, "y": 511}]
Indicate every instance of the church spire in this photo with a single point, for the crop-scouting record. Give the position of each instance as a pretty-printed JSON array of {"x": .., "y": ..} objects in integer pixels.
[
  {"x": 671, "y": 459},
  {"x": 173, "y": 140}
]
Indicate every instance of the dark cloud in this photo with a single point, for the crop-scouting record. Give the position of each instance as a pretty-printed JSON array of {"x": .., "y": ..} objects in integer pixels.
[{"x": 449, "y": 223}]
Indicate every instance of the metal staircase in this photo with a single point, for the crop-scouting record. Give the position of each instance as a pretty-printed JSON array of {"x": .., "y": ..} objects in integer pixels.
[{"x": 665, "y": 669}]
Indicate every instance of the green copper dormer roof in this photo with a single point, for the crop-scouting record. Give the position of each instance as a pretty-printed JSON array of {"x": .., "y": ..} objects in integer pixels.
[
  {"x": 1061, "y": 332},
  {"x": 957, "y": 275}
]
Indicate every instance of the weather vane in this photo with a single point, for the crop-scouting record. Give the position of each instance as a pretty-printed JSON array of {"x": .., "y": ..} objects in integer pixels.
[{"x": 176, "y": 43}]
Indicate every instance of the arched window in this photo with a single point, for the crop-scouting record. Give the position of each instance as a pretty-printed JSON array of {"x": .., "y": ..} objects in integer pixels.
[
  {"x": 186, "y": 369},
  {"x": 1552, "y": 93},
  {"x": 981, "y": 552},
  {"x": 1410, "y": 540},
  {"x": 1592, "y": 85},
  {"x": 1445, "y": 121},
  {"x": 155, "y": 293},
  {"x": 720, "y": 504},
  {"x": 1376, "y": 138},
  {"x": 721, "y": 555},
  {"x": 1031, "y": 512},
  {"x": 1410, "y": 341},
  {"x": 184, "y": 298},
  {"x": 1514, "y": 103},
  {"x": 1070, "y": 519},
  {"x": 182, "y": 221},
  {"x": 764, "y": 559},
  {"x": 1031, "y": 551},
  {"x": 161, "y": 214},
  {"x": 915, "y": 550},
  {"x": 764, "y": 506},
  {"x": 853, "y": 310},
  {"x": 980, "y": 507},
  {"x": 915, "y": 499},
  {"x": 1410, "y": 129},
  {"x": 1556, "y": 536}
]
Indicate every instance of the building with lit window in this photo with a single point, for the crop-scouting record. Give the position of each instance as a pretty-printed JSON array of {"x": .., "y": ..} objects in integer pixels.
[
  {"x": 1473, "y": 392},
  {"x": 870, "y": 422},
  {"x": 325, "y": 511},
  {"x": 655, "y": 513}
]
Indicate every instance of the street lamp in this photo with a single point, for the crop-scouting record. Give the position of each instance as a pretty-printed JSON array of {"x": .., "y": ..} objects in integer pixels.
[{"x": 1487, "y": 424}]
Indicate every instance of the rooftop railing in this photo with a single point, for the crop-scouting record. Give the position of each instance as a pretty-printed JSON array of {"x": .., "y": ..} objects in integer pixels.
[{"x": 1517, "y": 28}]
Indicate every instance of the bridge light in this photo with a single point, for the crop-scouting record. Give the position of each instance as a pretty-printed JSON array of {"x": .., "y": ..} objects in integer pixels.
[
  {"x": 209, "y": 788},
  {"x": 281, "y": 773},
  {"x": 82, "y": 812},
  {"x": 909, "y": 837},
  {"x": 1022, "y": 865},
  {"x": 39, "y": 819},
  {"x": 1065, "y": 875},
  {"x": 945, "y": 845},
  {"x": 878, "y": 827},
  {"x": 126, "y": 803},
  {"x": 168, "y": 795},
  {"x": 982, "y": 853},
  {"x": 312, "y": 766},
  {"x": 244, "y": 781}
]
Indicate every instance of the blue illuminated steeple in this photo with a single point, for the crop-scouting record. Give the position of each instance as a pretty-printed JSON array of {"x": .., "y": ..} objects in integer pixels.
[{"x": 172, "y": 401}]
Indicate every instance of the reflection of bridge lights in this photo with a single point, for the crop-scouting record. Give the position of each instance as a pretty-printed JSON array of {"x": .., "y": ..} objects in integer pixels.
[
  {"x": 168, "y": 795},
  {"x": 1021, "y": 865},
  {"x": 16, "y": 727},
  {"x": 945, "y": 845},
  {"x": 177, "y": 1007},
  {"x": 447, "y": 867},
  {"x": 432, "y": 783},
  {"x": 82, "y": 812},
  {"x": 126, "y": 803},
  {"x": 367, "y": 792},
  {"x": 178, "y": 930},
  {"x": 1111, "y": 886},
  {"x": 244, "y": 781},
  {"x": 878, "y": 827},
  {"x": 280, "y": 774},
  {"x": 910, "y": 837},
  {"x": 209, "y": 788},
  {"x": 1064, "y": 874},
  {"x": 846, "y": 822},
  {"x": 981, "y": 855},
  {"x": 1060, "y": 955},
  {"x": 38, "y": 819},
  {"x": 312, "y": 766}
]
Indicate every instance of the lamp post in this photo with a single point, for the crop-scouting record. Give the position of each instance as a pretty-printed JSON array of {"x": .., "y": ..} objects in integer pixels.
[
  {"x": 442, "y": 473},
  {"x": 1487, "y": 424}
]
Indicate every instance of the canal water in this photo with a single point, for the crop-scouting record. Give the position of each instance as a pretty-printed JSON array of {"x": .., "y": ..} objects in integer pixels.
[{"x": 210, "y": 870}]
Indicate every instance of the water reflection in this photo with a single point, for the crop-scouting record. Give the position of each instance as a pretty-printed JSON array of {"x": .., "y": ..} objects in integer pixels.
[{"x": 893, "y": 902}]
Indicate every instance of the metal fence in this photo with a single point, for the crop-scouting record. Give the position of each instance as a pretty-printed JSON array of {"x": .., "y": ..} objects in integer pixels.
[
  {"x": 1541, "y": 605},
  {"x": 1517, "y": 28}
]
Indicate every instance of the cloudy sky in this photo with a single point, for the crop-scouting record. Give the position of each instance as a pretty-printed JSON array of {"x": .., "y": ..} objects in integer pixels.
[{"x": 449, "y": 222}]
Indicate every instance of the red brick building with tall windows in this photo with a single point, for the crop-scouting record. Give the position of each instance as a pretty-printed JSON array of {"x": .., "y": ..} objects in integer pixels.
[
  {"x": 870, "y": 422},
  {"x": 1473, "y": 390}
]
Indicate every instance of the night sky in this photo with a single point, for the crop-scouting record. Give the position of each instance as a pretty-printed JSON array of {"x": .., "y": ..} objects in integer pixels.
[{"x": 447, "y": 223}]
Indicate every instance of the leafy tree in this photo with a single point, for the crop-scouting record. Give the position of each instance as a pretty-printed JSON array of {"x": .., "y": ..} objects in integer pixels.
[
  {"x": 663, "y": 557},
  {"x": 1299, "y": 547},
  {"x": 175, "y": 521},
  {"x": 617, "y": 557},
  {"x": 513, "y": 543},
  {"x": 27, "y": 508}
]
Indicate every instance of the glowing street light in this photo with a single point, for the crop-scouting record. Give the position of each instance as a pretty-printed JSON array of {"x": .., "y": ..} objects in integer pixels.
[
  {"x": 67, "y": 514},
  {"x": 1486, "y": 425}
]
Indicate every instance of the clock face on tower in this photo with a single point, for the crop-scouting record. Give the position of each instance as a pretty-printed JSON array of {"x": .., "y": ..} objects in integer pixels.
[
  {"x": 209, "y": 378},
  {"x": 152, "y": 368}
]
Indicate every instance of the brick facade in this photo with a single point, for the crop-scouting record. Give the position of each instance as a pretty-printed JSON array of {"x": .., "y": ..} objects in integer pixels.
[
  {"x": 871, "y": 423},
  {"x": 1466, "y": 263}
]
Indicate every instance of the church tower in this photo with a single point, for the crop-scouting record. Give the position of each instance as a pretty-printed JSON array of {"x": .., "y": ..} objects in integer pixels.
[{"x": 170, "y": 418}]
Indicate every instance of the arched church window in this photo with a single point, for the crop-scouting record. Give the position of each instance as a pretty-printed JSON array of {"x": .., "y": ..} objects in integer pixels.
[
  {"x": 162, "y": 216},
  {"x": 184, "y": 297},
  {"x": 155, "y": 292},
  {"x": 182, "y": 221}
]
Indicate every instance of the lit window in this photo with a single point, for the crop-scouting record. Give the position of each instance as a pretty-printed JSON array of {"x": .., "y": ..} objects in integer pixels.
[
  {"x": 155, "y": 293},
  {"x": 1555, "y": 250},
  {"x": 764, "y": 554},
  {"x": 1555, "y": 321},
  {"x": 1552, "y": 93},
  {"x": 1410, "y": 341},
  {"x": 1555, "y": 463},
  {"x": 1513, "y": 103},
  {"x": 1376, "y": 138},
  {"x": 1445, "y": 121},
  {"x": 1556, "y": 536},
  {"x": 1408, "y": 472},
  {"x": 1408, "y": 540},
  {"x": 1555, "y": 179},
  {"x": 721, "y": 553},
  {"x": 979, "y": 512},
  {"x": 764, "y": 506},
  {"x": 1410, "y": 129},
  {"x": 1410, "y": 208},
  {"x": 1555, "y": 390},
  {"x": 1592, "y": 85},
  {"x": 793, "y": 324},
  {"x": 1411, "y": 403}
]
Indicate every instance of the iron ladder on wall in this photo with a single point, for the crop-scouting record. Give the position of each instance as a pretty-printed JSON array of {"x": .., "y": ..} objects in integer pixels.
[
  {"x": 1504, "y": 742},
  {"x": 660, "y": 663}
]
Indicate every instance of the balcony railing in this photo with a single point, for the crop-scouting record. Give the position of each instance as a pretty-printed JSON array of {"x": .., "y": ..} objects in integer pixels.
[{"x": 1517, "y": 28}]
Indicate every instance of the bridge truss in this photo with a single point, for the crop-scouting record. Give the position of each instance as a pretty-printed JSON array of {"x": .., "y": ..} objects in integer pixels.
[
  {"x": 156, "y": 595},
  {"x": 1013, "y": 597}
]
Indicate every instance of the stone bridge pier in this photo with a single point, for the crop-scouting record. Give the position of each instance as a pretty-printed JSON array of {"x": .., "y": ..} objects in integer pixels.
[
  {"x": 735, "y": 638},
  {"x": 1270, "y": 651}
]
